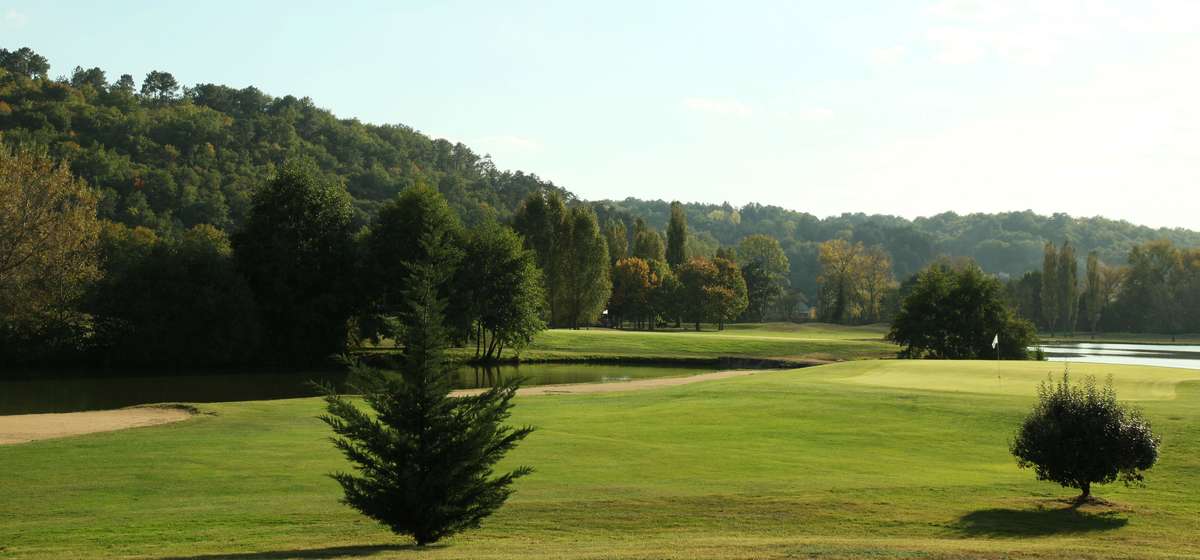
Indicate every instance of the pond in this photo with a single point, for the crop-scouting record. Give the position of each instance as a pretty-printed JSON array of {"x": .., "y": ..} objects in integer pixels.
[
  {"x": 70, "y": 394},
  {"x": 1163, "y": 355}
]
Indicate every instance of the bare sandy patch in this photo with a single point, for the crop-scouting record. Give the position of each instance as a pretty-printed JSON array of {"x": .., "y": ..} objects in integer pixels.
[
  {"x": 24, "y": 428},
  {"x": 620, "y": 386}
]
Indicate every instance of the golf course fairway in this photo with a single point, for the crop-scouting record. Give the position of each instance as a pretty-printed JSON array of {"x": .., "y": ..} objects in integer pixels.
[{"x": 877, "y": 459}]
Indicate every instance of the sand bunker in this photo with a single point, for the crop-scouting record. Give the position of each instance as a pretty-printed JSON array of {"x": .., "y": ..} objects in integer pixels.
[{"x": 23, "y": 428}]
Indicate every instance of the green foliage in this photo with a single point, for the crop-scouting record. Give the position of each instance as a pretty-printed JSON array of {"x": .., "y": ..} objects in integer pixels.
[
  {"x": 169, "y": 161},
  {"x": 765, "y": 268},
  {"x": 583, "y": 269},
  {"x": 178, "y": 303},
  {"x": 1051, "y": 293},
  {"x": 49, "y": 238},
  {"x": 634, "y": 283},
  {"x": 297, "y": 254},
  {"x": 677, "y": 236},
  {"x": 500, "y": 287},
  {"x": 424, "y": 460},
  {"x": 539, "y": 221},
  {"x": 1080, "y": 435},
  {"x": 618, "y": 240},
  {"x": 710, "y": 290},
  {"x": 392, "y": 245},
  {"x": 956, "y": 313}
]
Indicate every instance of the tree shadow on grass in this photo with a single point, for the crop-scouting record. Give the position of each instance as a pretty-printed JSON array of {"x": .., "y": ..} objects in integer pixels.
[
  {"x": 327, "y": 552},
  {"x": 1043, "y": 521}
]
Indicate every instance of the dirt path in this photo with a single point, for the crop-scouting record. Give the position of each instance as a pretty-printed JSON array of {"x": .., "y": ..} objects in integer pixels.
[
  {"x": 24, "y": 428},
  {"x": 619, "y": 387}
]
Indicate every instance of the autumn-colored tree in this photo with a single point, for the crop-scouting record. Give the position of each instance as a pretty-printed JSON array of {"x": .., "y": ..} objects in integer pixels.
[
  {"x": 633, "y": 284},
  {"x": 727, "y": 298},
  {"x": 876, "y": 276},
  {"x": 49, "y": 239},
  {"x": 839, "y": 279}
]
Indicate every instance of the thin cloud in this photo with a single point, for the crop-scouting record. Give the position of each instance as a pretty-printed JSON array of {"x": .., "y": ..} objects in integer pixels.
[
  {"x": 717, "y": 106},
  {"x": 13, "y": 18},
  {"x": 886, "y": 56}
]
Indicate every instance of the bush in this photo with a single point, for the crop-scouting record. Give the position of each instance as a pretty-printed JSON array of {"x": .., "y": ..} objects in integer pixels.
[{"x": 1079, "y": 435}]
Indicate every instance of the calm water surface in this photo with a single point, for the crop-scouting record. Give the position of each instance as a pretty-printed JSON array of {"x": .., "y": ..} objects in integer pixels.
[
  {"x": 1163, "y": 355},
  {"x": 28, "y": 396}
]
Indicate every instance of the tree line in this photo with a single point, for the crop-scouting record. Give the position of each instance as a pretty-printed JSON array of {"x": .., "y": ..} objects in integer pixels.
[
  {"x": 1156, "y": 289},
  {"x": 168, "y": 157},
  {"x": 296, "y": 284}
]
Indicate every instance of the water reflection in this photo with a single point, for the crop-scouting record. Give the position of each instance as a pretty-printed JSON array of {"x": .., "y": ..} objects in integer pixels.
[{"x": 1162, "y": 355}]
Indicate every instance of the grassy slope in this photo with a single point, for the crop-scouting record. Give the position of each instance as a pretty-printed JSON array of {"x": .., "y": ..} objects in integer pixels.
[
  {"x": 860, "y": 459},
  {"x": 770, "y": 340}
]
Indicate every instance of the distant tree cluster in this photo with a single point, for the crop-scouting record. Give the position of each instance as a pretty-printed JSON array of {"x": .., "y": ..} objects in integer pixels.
[{"x": 1156, "y": 290}]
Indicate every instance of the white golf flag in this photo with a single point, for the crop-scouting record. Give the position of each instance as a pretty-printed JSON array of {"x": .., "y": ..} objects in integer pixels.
[{"x": 996, "y": 341}]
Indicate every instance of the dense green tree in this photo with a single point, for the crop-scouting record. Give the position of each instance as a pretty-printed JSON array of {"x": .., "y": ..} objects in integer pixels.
[
  {"x": 178, "y": 303},
  {"x": 393, "y": 244},
  {"x": 633, "y": 284},
  {"x": 956, "y": 312},
  {"x": 677, "y": 234},
  {"x": 500, "y": 288},
  {"x": 160, "y": 86},
  {"x": 1068, "y": 286},
  {"x": 540, "y": 220},
  {"x": 1025, "y": 296},
  {"x": 424, "y": 460},
  {"x": 648, "y": 245},
  {"x": 617, "y": 239},
  {"x": 766, "y": 269},
  {"x": 1079, "y": 435},
  {"x": 1051, "y": 287},
  {"x": 582, "y": 266},
  {"x": 24, "y": 62},
  {"x": 49, "y": 239},
  {"x": 1094, "y": 292},
  {"x": 297, "y": 253},
  {"x": 695, "y": 276}
]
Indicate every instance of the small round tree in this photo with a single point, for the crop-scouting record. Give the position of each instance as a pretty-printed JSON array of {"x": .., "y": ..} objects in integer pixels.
[{"x": 1079, "y": 434}]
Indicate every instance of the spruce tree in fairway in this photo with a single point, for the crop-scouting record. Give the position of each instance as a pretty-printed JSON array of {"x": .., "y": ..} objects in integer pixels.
[
  {"x": 424, "y": 459},
  {"x": 1078, "y": 435}
]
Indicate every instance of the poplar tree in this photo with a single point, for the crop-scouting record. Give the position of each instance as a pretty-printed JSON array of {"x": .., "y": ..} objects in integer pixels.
[
  {"x": 583, "y": 269},
  {"x": 1094, "y": 296},
  {"x": 1050, "y": 286},
  {"x": 677, "y": 236},
  {"x": 1068, "y": 286}
]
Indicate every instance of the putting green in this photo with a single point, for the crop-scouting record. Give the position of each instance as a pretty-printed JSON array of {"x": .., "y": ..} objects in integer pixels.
[{"x": 1136, "y": 383}]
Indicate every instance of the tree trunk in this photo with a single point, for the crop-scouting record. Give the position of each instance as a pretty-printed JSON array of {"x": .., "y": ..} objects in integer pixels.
[
  {"x": 1085, "y": 494},
  {"x": 697, "y": 326}
]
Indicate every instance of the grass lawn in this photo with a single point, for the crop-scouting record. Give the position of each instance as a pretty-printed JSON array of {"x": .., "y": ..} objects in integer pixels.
[
  {"x": 881, "y": 459},
  {"x": 764, "y": 340}
]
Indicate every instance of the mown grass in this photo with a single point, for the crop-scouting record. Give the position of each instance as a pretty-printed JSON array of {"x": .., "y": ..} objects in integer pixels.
[
  {"x": 891, "y": 459},
  {"x": 789, "y": 341}
]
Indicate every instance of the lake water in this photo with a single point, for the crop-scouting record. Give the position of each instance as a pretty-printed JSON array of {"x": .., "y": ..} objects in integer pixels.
[
  {"x": 1163, "y": 355},
  {"x": 70, "y": 394}
]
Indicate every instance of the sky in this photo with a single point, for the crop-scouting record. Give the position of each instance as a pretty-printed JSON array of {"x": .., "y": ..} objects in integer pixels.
[{"x": 909, "y": 108}]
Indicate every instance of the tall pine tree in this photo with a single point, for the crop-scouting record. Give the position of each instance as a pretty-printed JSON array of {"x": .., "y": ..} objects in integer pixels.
[{"x": 424, "y": 460}]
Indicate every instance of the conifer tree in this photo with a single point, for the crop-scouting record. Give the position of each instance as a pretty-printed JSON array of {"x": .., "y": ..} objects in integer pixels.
[
  {"x": 424, "y": 460},
  {"x": 1050, "y": 286}
]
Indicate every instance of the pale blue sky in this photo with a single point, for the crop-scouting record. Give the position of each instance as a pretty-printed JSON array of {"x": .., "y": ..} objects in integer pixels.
[{"x": 908, "y": 108}]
